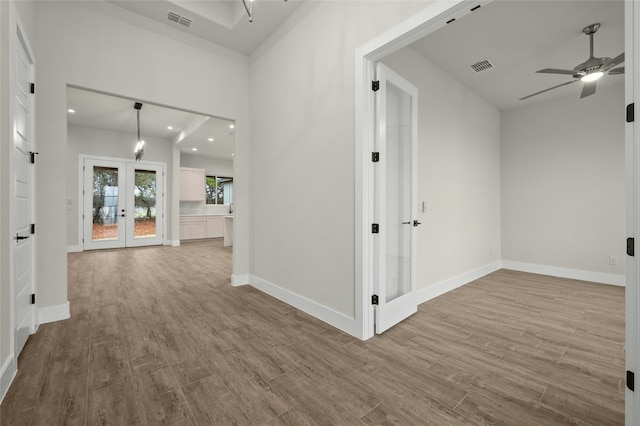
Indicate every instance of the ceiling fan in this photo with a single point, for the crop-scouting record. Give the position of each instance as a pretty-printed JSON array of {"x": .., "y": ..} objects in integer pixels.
[{"x": 589, "y": 71}]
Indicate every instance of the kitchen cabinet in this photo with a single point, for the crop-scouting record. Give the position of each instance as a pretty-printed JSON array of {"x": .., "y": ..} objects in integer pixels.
[
  {"x": 193, "y": 227},
  {"x": 192, "y": 182},
  {"x": 214, "y": 226}
]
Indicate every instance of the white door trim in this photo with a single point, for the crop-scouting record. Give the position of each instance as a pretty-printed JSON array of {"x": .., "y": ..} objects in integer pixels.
[{"x": 80, "y": 204}]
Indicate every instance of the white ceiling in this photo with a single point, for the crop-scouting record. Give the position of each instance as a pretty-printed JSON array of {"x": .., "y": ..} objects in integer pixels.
[
  {"x": 222, "y": 22},
  {"x": 106, "y": 112},
  {"x": 521, "y": 37}
]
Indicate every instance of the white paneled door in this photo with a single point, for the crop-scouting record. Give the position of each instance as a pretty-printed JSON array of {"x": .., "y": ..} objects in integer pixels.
[
  {"x": 396, "y": 207},
  {"x": 23, "y": 189},
  {"x": 123, "y": 204}
]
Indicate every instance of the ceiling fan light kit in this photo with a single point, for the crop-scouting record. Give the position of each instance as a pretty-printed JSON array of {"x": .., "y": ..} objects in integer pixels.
[{"x": 589, "y": 72}]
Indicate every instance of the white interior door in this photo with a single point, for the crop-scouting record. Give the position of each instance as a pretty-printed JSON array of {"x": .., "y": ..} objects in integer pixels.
[
  {"x": 396, "y": 176},
  {"x": 123, "y": 204},
  {"x": 23, "y": 205}
]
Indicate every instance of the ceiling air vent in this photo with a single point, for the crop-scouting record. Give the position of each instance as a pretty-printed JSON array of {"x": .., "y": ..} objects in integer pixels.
[
  {"x": 179, "y": 19},
  {"x": 483, "y": 65}
]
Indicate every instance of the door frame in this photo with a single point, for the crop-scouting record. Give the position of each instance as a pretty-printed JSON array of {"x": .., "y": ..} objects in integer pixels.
[
  {"x": 80, "y": 203},
  {"x": 430, "y": 19}
]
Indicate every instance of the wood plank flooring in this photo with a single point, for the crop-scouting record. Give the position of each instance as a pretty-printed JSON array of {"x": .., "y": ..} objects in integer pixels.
[{"x": 159, "y": 337}]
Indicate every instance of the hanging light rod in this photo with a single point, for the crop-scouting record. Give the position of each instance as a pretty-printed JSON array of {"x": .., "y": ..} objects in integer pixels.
[
  {"x": 249, "y": 8},
  {"x": 139, "y": 150}
]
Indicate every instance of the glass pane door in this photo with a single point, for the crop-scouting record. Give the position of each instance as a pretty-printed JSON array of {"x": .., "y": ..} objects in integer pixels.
[
  {"x": 144, "y": 191},
  {"x": 122, "y": 204},
  {"x": 144, "y": 201},
  {"x": 398, "y": 205},
  {"x": 103, "y": 204},
  {"x": 395, "y": 192}
]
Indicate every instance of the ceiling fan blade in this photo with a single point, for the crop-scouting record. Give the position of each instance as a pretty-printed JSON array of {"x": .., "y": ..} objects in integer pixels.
[
  {"x": 588, "y": 89},
  {"x": 546, "y": 90},
  {"x": 558, "y": 71},
  {"x": 616, "y": 71},
  {"x": 618, "y": 59}
]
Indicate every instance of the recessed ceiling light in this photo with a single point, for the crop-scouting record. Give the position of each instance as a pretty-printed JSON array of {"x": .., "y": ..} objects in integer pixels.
[
  {"x": 231, "y": 126},
  {"x": 71, "y": 111},
  {"x": 232, "y": 155},
  {"x": 194, "y": 149},
  {"x": 210, "y": 139},
  {"x": 169, "y": 127}
]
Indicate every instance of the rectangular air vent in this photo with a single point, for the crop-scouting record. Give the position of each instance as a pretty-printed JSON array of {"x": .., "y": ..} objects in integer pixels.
[
  {"x": 482, "y": 65},
  {"x": 179, "y": 19}
]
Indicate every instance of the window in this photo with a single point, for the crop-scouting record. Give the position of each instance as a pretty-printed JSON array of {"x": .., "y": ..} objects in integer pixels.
[{"x": 219, "y": 190}]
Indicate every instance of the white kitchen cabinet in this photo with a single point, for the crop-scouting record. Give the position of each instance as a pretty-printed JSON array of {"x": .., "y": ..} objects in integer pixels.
[
  {"x": 214, "y": 227},
  {"x": 193, "y": 227},
  {"x": 192, "y": 182}
]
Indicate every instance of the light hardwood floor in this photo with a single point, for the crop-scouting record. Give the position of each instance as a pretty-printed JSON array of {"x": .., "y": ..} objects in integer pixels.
[{"x": 158, "y": 336}]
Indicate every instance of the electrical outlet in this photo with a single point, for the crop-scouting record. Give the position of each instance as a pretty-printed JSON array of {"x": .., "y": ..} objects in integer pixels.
[{"x": 613, "y": 260}]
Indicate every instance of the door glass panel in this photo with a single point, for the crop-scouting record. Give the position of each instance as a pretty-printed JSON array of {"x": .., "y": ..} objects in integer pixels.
[
  {"x": 105, "y": 203},
  {"x": 144, "y": 225},
  {"x": 398, "y": 205}
]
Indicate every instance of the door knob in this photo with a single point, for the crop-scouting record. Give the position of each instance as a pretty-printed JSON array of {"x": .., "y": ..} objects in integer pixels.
[{"x": 416, "y": 223}]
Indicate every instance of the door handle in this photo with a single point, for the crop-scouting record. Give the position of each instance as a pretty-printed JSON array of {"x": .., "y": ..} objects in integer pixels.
[
  {"x": 406, "y": 223},
  {"x": 122, "y": 215},
  {"x": 20, "y": 237},
  {"x": 416, "y": 223}
]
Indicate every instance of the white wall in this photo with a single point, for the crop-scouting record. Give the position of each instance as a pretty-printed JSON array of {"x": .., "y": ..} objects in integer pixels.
[
  {"x": 302, "y": 109},
  {"x": 212, "y": 166},
  {"x": 458, "y": 173},
  {"x": 563, "y": 187},
  {"x": 103, "y": 143}
]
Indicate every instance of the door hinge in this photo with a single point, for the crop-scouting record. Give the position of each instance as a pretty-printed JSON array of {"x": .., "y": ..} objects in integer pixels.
[
  {"x": 631, "y": 381},
  {"x": 630, "y": 246},
  {"x": 375, "y": 157},
  {"x": 32, "y": 156},
  {"x": 375, "y": 228},
  {"x": 374, "y": 299},
  {"x": 630, "y": 113},
  {"x": 33, "y": 228},
  {"x": 375, "y": 85},
  {"x": 33, "y": 299},
  {"x": 32, "y": 88}
]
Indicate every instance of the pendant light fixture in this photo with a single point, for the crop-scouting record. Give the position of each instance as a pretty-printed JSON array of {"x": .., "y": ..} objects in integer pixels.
[
  {"x": 249, "y": 8},
  {"x": 139, "y": 150}
]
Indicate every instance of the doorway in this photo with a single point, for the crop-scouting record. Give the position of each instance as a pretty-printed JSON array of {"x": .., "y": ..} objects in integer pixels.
[{"x": 123, "y": 203}]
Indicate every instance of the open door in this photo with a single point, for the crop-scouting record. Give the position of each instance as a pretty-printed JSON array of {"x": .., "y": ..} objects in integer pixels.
[{"x": 395, "y": 192}]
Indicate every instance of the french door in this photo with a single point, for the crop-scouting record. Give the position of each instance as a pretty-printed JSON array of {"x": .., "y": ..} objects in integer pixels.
[
  {"x": 123, "y": 204},
  {"x": 395, "y": 194}
]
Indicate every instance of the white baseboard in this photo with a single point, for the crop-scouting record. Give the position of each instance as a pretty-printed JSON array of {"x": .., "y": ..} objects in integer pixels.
[
  {"x": 321, "y": 312},
  {"x": 7, "y": 374},
  {"x": 240, "y": 279},
  {"x": 575, "y": 274},
  {"x": 449, "y": 284},
  {"x": 53, "y": 313},
  {"x": 74, "y": 249},
  {"x": 172, "y": 243}
]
